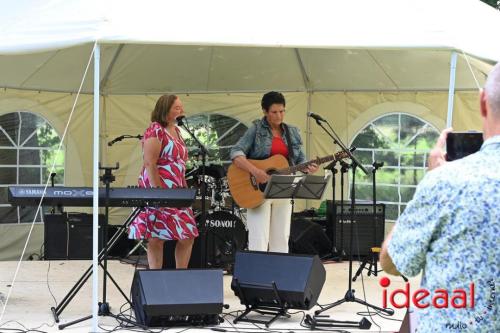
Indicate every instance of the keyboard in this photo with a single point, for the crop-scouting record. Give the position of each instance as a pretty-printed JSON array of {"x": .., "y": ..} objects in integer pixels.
[{"x": 118, "y": 196}]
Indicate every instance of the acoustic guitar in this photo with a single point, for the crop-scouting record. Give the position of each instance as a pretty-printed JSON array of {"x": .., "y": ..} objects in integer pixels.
[{"x": 245, "y": 190}]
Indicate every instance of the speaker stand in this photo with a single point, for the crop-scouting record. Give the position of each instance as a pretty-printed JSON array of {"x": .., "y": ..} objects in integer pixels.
[{"x": 275, "y": 311}]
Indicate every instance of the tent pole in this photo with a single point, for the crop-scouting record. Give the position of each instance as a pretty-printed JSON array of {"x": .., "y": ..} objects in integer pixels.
[
  {"x": 309, "y": 136},
  {"x": 451, "y": 90},
  {"x": 95, "y": 185}
]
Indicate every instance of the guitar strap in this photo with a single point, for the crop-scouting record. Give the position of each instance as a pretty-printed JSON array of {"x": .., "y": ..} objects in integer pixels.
[{"x": 289, "y": 145}]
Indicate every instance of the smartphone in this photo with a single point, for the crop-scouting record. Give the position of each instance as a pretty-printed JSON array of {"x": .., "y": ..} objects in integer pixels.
[{"x": 461, "y": 144}]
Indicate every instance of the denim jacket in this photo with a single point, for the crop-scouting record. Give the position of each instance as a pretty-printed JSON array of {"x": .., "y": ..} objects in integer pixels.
[{"x": 257, "y": 140}]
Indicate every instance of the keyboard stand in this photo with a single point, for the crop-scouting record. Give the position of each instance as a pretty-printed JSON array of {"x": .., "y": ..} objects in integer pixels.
[{"x": 56, "y": 311}]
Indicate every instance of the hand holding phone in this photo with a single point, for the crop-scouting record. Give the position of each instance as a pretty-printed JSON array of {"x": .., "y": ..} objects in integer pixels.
[
  {"x": 461, "y": 144},
  {"x": 437, "y": 155}
]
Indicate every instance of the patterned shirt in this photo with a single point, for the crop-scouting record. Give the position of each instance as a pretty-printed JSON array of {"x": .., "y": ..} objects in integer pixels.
[{"x": 450, "y": 230}]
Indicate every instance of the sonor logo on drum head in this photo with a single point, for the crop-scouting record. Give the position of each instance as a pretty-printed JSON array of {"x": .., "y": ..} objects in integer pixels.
[{"x": 221, "y": 223}]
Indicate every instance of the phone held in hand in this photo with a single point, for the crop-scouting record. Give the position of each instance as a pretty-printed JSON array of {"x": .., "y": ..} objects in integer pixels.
[{"x": 461, "y": 144}]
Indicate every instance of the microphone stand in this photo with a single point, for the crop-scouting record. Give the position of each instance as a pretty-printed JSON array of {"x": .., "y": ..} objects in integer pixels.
[
  {"x": 203, "y": 151},
  {"x": 372, "y": 258},
  {"x": 330, "y": 225},
  {"x": 355, "y": 163},
  {"x": 52, "y": 176},
  {"x": 344, "y": 168}
]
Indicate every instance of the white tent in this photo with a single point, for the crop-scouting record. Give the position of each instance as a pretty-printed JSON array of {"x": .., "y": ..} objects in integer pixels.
[
  {"x": 337, "y": 58},
  {"x": 341, "y": 59}
]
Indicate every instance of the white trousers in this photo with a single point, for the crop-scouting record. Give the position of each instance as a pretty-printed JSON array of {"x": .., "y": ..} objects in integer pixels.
[{"x": 269, "y": 226}]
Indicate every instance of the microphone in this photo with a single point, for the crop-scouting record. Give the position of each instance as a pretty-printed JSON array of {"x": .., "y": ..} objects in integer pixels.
[
  {"x": 115, "y": 140},
  {"x": 377, "y": 165},
  {"x": 315, "y": 116},
  {"x": 180, "y": 120}
]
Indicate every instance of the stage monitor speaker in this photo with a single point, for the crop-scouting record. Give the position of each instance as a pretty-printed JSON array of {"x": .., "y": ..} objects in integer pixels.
[
  {"x": 297, "y": 278},
  {"x": 177, "y": 297},
  {"x": 69, "y": 236},
  {"x": 365, "y": 228},
  {"x": 307, "y": 237}
]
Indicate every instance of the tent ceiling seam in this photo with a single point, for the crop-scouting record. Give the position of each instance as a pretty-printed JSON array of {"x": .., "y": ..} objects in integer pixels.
[
  {"x": 105, "y": 78},
  {"x": 155, "y": 93},
  {"x": 210, "y": 66},
  {"x": 305, "y": 77},
  {"x": 382, "y": 69},
  {"x": 40, "y": 67}
]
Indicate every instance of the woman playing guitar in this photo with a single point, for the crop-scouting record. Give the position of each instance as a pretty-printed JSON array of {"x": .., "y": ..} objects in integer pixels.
[{"x": 269, "y": 223}]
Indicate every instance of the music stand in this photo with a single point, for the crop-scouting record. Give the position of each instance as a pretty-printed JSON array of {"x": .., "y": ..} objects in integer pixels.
[{"x": 296, "y": 187}]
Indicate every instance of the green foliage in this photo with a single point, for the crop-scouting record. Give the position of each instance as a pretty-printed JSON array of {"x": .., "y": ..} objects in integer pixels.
[
  {"x": 492, "y": 3},
  {"x": 402, "y": 142},
  {"x": 216, "y": 132}
]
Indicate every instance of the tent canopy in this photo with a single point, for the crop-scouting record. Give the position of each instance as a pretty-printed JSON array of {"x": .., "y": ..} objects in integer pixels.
[
  {"x": 198, "y": 46},
  {"x": 350, "y": 61}
]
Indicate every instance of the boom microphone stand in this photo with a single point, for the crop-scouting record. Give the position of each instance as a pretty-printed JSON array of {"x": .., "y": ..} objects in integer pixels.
[
  {"x": 349, "y": 296},
  {"x": 344, "y": 168},
  {"x": 334, "y": 253},
  {"x": 203, "y": 151}
]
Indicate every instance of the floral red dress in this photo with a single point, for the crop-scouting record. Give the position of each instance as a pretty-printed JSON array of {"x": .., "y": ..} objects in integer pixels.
[{"x": 165, "y": 223}]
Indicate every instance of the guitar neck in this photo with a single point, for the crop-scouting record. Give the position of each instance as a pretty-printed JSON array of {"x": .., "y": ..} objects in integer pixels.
[{"x": 302, "y": 166}]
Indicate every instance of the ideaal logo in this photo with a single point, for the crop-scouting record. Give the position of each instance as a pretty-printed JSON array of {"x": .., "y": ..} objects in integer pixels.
[
  {"x": 460, "y": 299},
  {"x": 441, "y": 298}
]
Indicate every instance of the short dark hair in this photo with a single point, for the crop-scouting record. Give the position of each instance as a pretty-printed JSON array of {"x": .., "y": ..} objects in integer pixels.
[
  {"x": 162, "y": 108},
  {"x": 270, "y": 98}
]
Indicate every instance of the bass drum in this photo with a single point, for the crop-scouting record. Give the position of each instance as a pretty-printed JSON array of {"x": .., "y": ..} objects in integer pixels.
[{"x": 226, "y": 234}]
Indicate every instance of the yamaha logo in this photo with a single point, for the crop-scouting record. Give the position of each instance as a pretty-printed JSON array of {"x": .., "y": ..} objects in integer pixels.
[{"x": 29, "y": 191}]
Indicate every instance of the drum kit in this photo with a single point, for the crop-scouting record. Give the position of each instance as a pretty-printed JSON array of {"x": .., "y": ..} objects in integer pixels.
[{"x": 226, "y": 232}]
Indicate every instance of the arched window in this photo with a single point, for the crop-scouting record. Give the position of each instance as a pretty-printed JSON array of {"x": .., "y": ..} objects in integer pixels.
[
  {"x": 217, "y": 132},
  {"x": 28, "y": 146},
  {"x": 402, "y": 142}
]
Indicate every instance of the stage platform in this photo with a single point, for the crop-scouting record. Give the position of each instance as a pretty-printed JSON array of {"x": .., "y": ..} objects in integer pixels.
[{"x": 40, "y": 284}]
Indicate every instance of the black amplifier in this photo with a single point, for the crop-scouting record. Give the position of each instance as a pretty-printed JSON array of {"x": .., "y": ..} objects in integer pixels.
[
  {"x": 368, "y": 228},
  {"x": 69, "y": 236}
]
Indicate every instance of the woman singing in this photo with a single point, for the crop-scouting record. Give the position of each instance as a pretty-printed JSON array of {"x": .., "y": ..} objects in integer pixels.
[{"x": 165, "y": 155}]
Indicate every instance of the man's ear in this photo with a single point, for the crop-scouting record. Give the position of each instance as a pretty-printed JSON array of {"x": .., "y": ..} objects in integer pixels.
[{"x": 483, "y": 103}]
